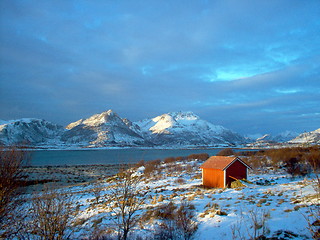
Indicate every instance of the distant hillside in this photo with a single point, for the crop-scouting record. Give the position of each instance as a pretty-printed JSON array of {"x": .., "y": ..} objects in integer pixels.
[
  {"x": 312, "y": 137},
  {"x": 30, "y": 131}
]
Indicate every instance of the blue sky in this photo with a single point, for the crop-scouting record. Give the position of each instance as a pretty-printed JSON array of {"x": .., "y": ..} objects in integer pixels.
[{"x": 251, "y": 66}]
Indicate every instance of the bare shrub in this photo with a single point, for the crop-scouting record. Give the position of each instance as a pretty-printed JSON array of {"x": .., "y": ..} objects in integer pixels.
[
  {"x": 313, "y": 159},
  {"x": 96, "y": 190},
  {"x": 151, "y": 166},
  {"x": 165, "y": 211},
  {"x": 180, "y": 181},
  {"x": 50, "y": 217},
  {"x": 258, "y": 218},
  {"x": 189, "y": 169},
  {"x": 313, "y": 221},
  {"x": 11, "y": 178},
  {"x": 169, "y": 160},
  {"x": 177, "y": 168},
  {"x": 294, "y": 167},
  {"x": 253, "y": 224},
  {"x": 101, "y": 234},
  {"x": 167, "y": 231},
  {"x": 296, "y": 158},
  {"x": 313, "y": 218},
  {"x": 176, "y": 222},
  {"x": 185, "y": 220},
  {"x": 180, "y": 158},
  {"x": 140, "y": 163},
  {"x": 256, "y": 162},
  {"x": 226, "y": 152}
]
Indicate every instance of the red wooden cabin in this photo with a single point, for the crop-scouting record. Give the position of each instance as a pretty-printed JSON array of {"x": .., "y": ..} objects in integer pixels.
[{"x": 220, "y": 171}]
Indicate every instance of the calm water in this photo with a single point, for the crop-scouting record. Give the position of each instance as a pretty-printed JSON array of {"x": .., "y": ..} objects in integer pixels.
[{"x": 109, "y": 156}]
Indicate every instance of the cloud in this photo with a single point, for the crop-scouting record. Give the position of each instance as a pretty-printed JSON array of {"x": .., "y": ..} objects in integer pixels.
[{"x": 234, "y": 63}]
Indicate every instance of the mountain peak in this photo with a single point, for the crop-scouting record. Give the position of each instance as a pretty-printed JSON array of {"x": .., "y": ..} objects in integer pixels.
[
  {"x": 109, "y": 112},
  {"x": 102, "y": 118},
  {"x": 96, "y": 119},
  {"x": 183, "y": 115}
]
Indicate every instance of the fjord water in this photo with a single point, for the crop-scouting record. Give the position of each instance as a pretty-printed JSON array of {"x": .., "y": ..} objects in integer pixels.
[{"x": 108, "y": 156}]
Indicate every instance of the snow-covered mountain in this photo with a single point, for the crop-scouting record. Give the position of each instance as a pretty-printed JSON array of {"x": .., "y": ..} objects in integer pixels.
[
  {"x": 312, "y": 137},
  {"x": 285, "y": 136},
  {"x": 186, "y": 129},
  {"x": 102, "y": 129},
  {"x": 175, "y": 129},
  {"x": 279, "y": 138},
  {"x": 30, "y": 131}
]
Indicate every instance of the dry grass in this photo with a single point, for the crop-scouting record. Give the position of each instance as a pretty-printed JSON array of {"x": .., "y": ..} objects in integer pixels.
[{"x": 296, "y": 160}]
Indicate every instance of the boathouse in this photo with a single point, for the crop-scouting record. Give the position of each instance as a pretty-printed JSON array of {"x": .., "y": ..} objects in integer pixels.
[{"x": 219, "y": 171}]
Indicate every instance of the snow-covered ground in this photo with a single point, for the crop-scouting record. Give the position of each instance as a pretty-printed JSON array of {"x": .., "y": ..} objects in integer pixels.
[{"x": 283, "y": 204}]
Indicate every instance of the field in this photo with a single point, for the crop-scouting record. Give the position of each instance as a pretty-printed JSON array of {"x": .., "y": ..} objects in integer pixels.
[{"x": 167, "y": 201}]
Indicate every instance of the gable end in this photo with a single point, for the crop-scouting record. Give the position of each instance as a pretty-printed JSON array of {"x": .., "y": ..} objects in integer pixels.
[{"x": 236, "y": 159}]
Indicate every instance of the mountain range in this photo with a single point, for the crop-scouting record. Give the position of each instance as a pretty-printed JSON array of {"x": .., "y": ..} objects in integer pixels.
[
  {"x": 108, "y": 129},
  {"x": 279, "y": 138}
]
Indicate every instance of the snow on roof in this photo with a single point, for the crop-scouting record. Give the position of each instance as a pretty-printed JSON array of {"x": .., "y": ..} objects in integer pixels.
[{"x": 221, "y": 162}]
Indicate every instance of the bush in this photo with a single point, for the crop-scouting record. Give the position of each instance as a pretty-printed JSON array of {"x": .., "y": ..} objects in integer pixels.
[
  {"x": 151, "y": 166},
  {"x": 180, "y": 158},
  {"x": 51, "y": 213},
  {"x": 313, "y": 158},
  {"x": 165, "y": 211},
  {"x": 176, "y": 222},
  {"x": 226, "y": 152},
  {"x": 169, "y": 160},
  {"x": 11, "y": 177},
  {"x": 308, "y": 157},
  {"x": 199, "y": 156},
  {"x": 180, "y": 181},
  {"x": 140, "y": 163},
  {"x": 185, "y": 220}
]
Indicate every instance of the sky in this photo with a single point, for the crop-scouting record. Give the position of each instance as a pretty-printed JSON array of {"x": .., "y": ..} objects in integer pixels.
[{"x": 251, "y": 66}]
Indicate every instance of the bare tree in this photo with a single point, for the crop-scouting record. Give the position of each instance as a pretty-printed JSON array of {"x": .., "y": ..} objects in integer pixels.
[
  {"x": 126, "y": 202},
  {"x": 11, "y": 163}
]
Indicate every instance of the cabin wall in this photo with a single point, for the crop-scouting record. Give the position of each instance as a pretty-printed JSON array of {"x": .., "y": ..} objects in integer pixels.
[
  {"x": 236, "y": 170},
  {"x": 213, "y": 178}
]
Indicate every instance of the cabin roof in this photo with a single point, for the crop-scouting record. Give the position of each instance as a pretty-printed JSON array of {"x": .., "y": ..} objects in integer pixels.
[{"x": 221, "y": 162}]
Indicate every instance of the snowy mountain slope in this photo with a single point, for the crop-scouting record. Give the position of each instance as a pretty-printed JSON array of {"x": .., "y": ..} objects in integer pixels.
[
  {"x": 285, "y": 136},
  {"x": 101, "y": 130},
  {"x": 2, "y": 122},
  {"x": 186, "y": 128},
  {"x": 30, "y": 131},
  {"x": 312, "y": 137},
  {"x": 281, "y": 137}
]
